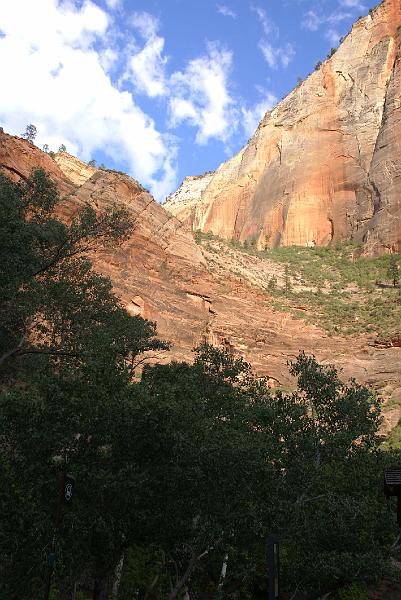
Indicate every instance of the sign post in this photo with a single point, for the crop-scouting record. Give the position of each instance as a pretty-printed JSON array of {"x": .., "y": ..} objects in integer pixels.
[
  {"x": 273, "y": 566},
  {"x": 392, "y": 487},
  {"x": 66, "y": 493}
]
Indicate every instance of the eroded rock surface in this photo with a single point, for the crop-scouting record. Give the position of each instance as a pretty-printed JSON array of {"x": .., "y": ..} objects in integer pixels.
[
  {"x": 74, "y": 169},
  {"x": 324, "y": 165}
]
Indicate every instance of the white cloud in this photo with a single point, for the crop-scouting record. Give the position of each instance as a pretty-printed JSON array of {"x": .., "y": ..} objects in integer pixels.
[
  {"x": 273, "y": 54},
  {"x": 333, "y": 36},
  {"x": 276, "y": 56},
  {"x": 147, "y": 24},
  {"x": 147, "y": 67},
  {"x": 311, "y": 21},
  {"x": 57, "y": 51},
  {"x": 355, "y": 4},
  {"x": 337, "y": 17},
  {"x": 226, "y": 11},
  {"x": 267, "y": 24},
  {"x": 252, "y": 116},
  {"x": 113, "y": 4},
  {"x": 200, "y": 95}
]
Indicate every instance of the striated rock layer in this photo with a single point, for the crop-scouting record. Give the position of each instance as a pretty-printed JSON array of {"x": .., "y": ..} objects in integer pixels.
[
  {"x": 74, "y": 169},
  {"x": 325, "y": 164}
]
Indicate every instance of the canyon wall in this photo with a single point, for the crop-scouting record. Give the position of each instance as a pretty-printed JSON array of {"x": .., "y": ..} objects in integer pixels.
[
  {"x": 161, "y": 274},
  {"x": 325, "y": 164}
]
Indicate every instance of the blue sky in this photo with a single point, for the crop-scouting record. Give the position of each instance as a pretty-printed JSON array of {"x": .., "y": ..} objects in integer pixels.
[{"x": 160, "y": 89}]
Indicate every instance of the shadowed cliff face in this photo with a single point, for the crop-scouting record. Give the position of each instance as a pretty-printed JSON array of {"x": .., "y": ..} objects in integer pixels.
[{"x": 324, "y": 165}]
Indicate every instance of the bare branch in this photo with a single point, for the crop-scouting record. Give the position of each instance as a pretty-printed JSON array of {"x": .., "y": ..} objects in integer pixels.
[
  {"x": 53, "y": 352},
  {"x": 19, "y": 351},
  {"x": 145, "y": 358}
]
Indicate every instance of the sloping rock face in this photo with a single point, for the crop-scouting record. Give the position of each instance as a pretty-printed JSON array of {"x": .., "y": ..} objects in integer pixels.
[
  {"x": 74, "y": 169},
  {"x": 324, "y": 165},
  {"x": 161, "y": 274},
  {"x": 153, "y": 270},
  {"x": 184, "y": 201},
  {"x": 18, "y": 157}
]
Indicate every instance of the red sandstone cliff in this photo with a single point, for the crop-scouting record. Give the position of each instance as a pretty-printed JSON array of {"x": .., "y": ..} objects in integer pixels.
[{"x": 325, "y": 163}]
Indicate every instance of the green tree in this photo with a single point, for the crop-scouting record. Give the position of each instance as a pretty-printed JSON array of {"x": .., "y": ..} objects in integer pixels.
[
  {"x": 272, "y": 283},
  {"x": 393, "y": 269},
  {"x": 287, "y": 280},
  {"x": 241, "y": 462},
  {"x": 62, "y": 148},
  {"x": 30, "y": 133},
  {"x": 92, "y": 163},
  {"x": 68, "y": 354},
  {"x": 193, "y": 464},
  {"x": 45, "y": 278},
  {"x": 332, "y": 466}
]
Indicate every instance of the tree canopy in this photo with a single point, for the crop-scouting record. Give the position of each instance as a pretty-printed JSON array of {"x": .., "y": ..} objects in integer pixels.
[{"x": 180, "y": 470}]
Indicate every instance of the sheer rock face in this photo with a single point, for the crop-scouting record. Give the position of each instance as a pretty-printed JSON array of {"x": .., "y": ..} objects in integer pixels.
[
  {"x": 74, "y": 169},
  {"x": 325, "y": 163},
  {"x": 185, "y": 199}
]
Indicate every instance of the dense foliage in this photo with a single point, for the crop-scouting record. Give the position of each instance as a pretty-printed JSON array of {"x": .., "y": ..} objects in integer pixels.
[{"x": 179, "y": 472}]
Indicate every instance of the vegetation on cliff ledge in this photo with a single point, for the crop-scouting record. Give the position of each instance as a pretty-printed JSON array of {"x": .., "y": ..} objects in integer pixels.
[{"x": 335, "y": 287}]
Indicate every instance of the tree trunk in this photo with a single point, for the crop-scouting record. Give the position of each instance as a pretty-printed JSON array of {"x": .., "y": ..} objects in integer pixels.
[
  {"x": 223, "y": 571},
  {"x": 117, "y": 577}
]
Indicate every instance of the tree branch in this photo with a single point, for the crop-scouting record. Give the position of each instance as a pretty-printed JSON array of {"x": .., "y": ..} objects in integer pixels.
[
  {"x": 14, "y": 351},
  {"x": 181, "y": 582},
  {"x": 18, "y": 351}
]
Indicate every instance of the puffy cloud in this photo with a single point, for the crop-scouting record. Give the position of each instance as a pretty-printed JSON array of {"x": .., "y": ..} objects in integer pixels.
[
  {"x": 226, "y": 11},
  {"x": 146, "y": 67},
  {"x": 200, "y": 95},
  {"x": 58, "y": 52},
  {"x": 76, "y": 71}
]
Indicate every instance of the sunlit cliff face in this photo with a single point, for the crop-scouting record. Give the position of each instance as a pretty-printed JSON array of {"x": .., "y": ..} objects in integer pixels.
[{"x": 324, "y": 165}]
